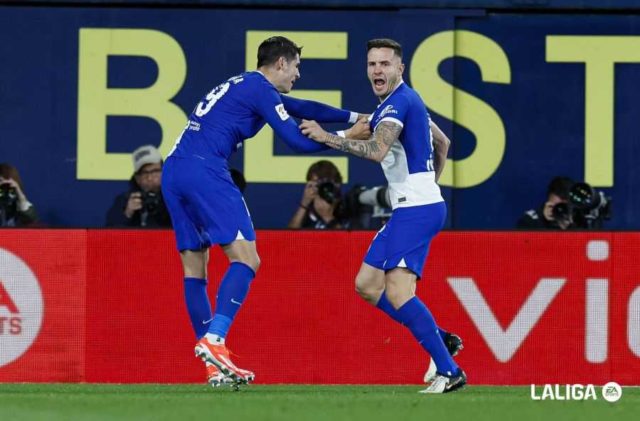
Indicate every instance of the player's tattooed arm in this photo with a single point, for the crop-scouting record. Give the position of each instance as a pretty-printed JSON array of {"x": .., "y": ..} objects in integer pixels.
[{"x": 375, "y": 148}]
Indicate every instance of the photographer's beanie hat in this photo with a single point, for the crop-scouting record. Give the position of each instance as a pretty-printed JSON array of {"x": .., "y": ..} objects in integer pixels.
[{"x": 147, "y": 154}]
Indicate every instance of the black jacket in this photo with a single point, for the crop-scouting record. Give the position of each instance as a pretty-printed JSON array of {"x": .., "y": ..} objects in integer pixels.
[
  {"x": 534, "y": 219},
  {"x": 158, "y": 217}
]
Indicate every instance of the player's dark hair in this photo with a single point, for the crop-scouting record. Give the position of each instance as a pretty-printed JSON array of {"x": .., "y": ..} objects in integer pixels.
[
  {"x": 273, "y": 48},
  {"x": 385, "y": 43}
]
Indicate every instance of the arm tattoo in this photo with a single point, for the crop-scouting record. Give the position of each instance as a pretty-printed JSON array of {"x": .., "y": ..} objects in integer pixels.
[{"x": 375, "y": 148}]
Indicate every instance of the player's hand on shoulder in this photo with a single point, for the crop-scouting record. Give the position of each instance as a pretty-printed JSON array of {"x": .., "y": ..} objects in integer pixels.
[
  {"x": 312, "y": 129},
  {"x": 360, "y": 130}
]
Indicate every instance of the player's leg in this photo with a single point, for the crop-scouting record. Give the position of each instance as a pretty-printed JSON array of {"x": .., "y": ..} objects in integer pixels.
[
  {"x": 243, "y": 264},
  {"x": 408, "y": 243},
  {"x": 234, "y": 287},
  {"x": 193, "y": 248},
  {"x": 194, "y": 264},
  {"x": 414, "y": 314},
  {"x": 370, "y": 281}
]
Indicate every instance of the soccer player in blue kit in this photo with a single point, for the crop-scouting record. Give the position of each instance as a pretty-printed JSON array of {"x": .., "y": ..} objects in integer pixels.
[
  {"x": 402, "y": 142},
  {"x": 205, "y": 205}
]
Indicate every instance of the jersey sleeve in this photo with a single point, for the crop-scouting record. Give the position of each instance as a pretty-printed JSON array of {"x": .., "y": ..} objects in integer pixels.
[
  {"x": 312, "y": 110},
  {"x": 270, "y": 107},
  {"x": 395, "y": 110}
]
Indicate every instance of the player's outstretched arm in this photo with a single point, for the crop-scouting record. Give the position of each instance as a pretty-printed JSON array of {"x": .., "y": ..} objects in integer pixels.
[
  {"x": 312, "y": 110},
  {"x": 270, "y": 107},
  {"x": 375, "y": 148},
  {"x": 441, "y": 145},
  {"x": 290, "y": 134}
]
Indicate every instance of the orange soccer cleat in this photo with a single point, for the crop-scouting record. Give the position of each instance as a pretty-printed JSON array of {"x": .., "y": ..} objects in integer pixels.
[
  {"x": 218, "y": 356},
  {"x": 215, "y": 377}
]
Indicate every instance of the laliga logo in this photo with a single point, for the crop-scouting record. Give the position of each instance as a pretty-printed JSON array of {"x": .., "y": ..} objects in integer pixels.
[
  {"x": 611, "y": 392},
  {"x": 21, "y": 307}
]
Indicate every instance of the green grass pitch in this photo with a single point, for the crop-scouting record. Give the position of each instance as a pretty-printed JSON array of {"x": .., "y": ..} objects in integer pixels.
[{"x": 299, "y": 402}]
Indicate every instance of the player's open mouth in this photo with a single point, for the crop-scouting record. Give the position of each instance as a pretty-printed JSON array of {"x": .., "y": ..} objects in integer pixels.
[{"x": 379, "y": 82}]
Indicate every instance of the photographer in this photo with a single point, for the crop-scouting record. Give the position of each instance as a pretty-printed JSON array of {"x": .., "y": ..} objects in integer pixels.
[
  {"x": 142, "y": 206},
  {"x": 544, "y": 217},
  {"x": 321, "y": 203},
  {"x": 15, "y": 208},
  {"x": 569, "y": 205}
]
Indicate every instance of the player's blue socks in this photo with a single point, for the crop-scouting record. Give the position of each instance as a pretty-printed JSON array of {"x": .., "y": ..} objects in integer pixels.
[
  {"x": 385, "y": 305},
  {"x": 195, "y": 295},
  {"x": 443, "y": 333},
  {"x": 232, "y": 292},
  {"x": 417, "y": 317}
]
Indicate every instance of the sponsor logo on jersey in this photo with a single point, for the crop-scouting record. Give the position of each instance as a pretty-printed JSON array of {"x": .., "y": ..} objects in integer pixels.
[
  {"x": 387, "y": 110},
  {"x": 282, "y": 112}
]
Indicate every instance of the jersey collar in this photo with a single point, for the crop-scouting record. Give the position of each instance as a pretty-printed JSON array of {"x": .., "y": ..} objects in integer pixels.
[{"x": 392, "y": 92}]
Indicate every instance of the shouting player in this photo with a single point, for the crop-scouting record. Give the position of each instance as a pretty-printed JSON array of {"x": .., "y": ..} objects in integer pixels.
[{"x": 402, "y": 142}]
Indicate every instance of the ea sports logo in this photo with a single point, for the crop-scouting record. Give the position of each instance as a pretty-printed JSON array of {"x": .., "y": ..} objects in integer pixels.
[{"x": 20, "y": 307}]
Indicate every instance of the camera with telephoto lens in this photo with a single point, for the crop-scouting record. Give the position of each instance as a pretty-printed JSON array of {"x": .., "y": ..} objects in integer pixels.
[
  {"x": 328, "y": 190},
  {"x": 150, "y": 202},
  {"x": 369, "y": 208},
  {"x": 8, "y": 201},
  {"x": 587, "y": 207}
]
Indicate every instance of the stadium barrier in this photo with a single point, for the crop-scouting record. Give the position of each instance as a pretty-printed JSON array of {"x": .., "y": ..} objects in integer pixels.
[{"x": 107, "y": 306}]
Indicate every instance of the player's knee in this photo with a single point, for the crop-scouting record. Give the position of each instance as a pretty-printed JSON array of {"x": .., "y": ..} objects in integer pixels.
[
  {"x": 250, "y": 259},
  {"x": 397, "y": 295},
  {"x": 194, "y": 270},
  {"x": 394, "y": 298},
  {"x": 255, "y": 264},
  {"x": 368, "y": 290}
]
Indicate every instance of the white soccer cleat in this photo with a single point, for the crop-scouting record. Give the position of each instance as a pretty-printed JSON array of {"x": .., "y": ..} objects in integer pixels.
[
  {"x": 444, "y": 384},
  {"x": 431, "y": 373}
]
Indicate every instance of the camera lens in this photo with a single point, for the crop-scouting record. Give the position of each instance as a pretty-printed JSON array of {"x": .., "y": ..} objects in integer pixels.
[
  {"x": 583, "y": 196},
  {"x": 150, "y": 201},
  {"x": 560, "y": 211},
  {"x": 328, "y": 191}
]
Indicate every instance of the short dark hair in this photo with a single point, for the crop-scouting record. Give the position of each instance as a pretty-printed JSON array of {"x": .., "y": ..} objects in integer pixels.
[
  {"x": 385, "y": 43},
  {"x": 271, "y": 49},
  {"x": 560, "y": 186}
]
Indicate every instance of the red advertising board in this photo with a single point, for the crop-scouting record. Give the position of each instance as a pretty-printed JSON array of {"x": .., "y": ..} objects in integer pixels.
[{"x": 531, "y": 308}]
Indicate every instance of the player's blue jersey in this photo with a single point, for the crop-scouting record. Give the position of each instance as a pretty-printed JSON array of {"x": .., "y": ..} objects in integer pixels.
[
  {"x": 408, "y": 166},
  {"x": 238, "y": 108}
]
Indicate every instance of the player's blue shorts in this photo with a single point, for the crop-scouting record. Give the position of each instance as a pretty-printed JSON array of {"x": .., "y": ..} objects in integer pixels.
[
  {"x": 205, "y": 205},
  {"x": 404, "y": 240}
]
